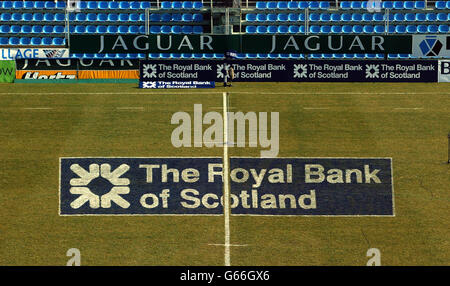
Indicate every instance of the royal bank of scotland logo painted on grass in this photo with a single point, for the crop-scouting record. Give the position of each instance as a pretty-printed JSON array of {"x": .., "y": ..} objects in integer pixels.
[{"x": 258, "y": 186}]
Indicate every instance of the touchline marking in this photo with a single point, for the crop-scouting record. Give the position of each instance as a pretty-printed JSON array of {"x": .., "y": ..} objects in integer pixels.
[
  {"x": 130, "y": 108},
  {"x": 314, "y": 108},
  {"x": 226, "y": 186}
]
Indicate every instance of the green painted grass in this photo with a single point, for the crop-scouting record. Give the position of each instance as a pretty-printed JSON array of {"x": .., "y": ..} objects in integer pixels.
[{"x": 356, "y": 120}]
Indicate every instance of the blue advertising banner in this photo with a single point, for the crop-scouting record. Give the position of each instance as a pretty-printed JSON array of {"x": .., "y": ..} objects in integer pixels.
[
  {"x": 258, "y": 186},
  {"x": 177, "y": 84},
  {"x": 291, "y": 70}
]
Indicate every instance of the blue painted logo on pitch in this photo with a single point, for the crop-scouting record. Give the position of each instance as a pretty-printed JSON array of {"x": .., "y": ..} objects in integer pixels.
[{"x": 194, "y": 186}]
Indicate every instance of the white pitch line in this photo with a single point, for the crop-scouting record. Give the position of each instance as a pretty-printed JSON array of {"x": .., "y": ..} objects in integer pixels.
[
  {"x": 226, "y": 186},
  {"x": 221, "y": 244},
  {"x": 408, "y": 108},
  {"x": 130, "y": 108},
  {"x": 314, "y": 108},
  {"x": 37, "y": 108}
]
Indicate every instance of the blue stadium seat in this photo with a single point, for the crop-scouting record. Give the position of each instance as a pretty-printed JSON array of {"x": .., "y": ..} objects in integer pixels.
[
  {"x": 357, "y": 29},
  {"x": 408, "y": 5},
  {"x": 420, "y": 17},
  {"x": 102, "y": 17},
  {"x": 92, "y": 5},
  {"x": 101, "y": 29},
  {"x": 166, "y": 29},
  {"x": 283, "y": 29},
  {"x": 431, "y": 17},
  {"x": 440, "y": 5},
  {"x": 336, "y": 29},
  {"x": 292, "y": 5},
  {"x": 47, "y": 29},
  {"x": 432, "y": 29},
  {"x": 166, "y": 17},
  {"x": 400, "y": 17},
  {"x": 3, "y": 41},
  {"x": 448, "y": 5},
  {"x": 15, "y": 29},
  {"x": 133, "y": 30},
  {"x": 314, "y": 29},
  {"x": 123, "y": 5},
  {"x": 419, "y": 4},
  {"x": 155, "y": 29},
  {"x": 5, "y": 17},
  {"x": 58, "y": 29},
  {"x": 91, "y": 29},
  {"x": 4, "y": 29},
  {"x": 282, "y": 5},
  {"x": 18, "y": 4},
  {"x": 356, "y": 17},
  {"x": 409, "y": 17},
  {"x": 314, "y": 5},
  {"x": 197, "y": 30},
  {"x": 250, "y": 17},
  {"x": 35, "y": 41},
  {"x": 175, "y": 30},
  {"x": 46, "y": 41},
  {"x": 250, "y": 29},
  {"x": 303, "y": 5},
  {"x": 378, "y": 17},
  {"x": 18, "y": 16},
  {"x": 80, "y": 29},
  {"x": 324, "y": 5},
  {"x": 102, "y": 5},
  {"x": 271, "y": 17},
  {"x": 325, "y": 29},
  {"x": 346, "y": 17},
  {"x": 28, "y": 4},
  {"x": 59, "y": 17},
  {"x": 261, "y": 29},
  {"x": 293, "y": 29},
  {"x": 292, "y": 17},
  {"x": 411, "y": 29},
  {"x": 14, "y": 41},
  {"x": 123, "y": 17},
  {"x": 422, "y": 29},
  {"x": 314, "y": 17},
  {"x": 387, "y": 5},
  {"x": 145, "y": 5},
  {"x": 197, "y": 5},
  {"x": 187, "y": 17},
  {"x": 58, "y": 41},
  {"x": 442, "y": 17},
  {"x": 368, "y": 29},
  {"x": 345, "y": 5},
  {"x": 122, "y": 29},
  {"x": 111, "y": 30},
  {"x": 261, "y": 5},
  {"x": 156, "y": 17},
  {"x": 49, "y": 17},
  {"x": 38, "y": 17},
  {"x": 135, "y": 5},
  {"x": 6, "y": 5},
  {"x": 186, "y": 29},
  {"x": 400, "y": 29},
  {"x": 346, "y": 29},
  {"x": 177, "y": 5},
  {"x": 324, "y": 17},
  {"x": 197, "y": 17},
  {"x": 261, "y": 17},
  {"x": 356, "y": 5},
  {"x": 176, "y": 17},
  {"x": 272, "y": 29},
  {"x": 113, "y": 5},
  {"x": 80, "y": 17},
  {"x": 443, "y": 29},
  {"x": 134, "y": 17},
  {"x": 91, "y": 17},
  {"x": 36, "y": 29},
  {"x": 271, "y": 5},
  {"x": 113, "y": 17},
  {"x": 335, "y": 17},
  {"x": 282, "y": 17},
  {"x": 187, "y": 5}
]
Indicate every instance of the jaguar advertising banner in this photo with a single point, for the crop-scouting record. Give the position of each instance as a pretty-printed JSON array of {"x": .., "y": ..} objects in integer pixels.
[
  {"x": 304, "y": 44},
  {"x": 291, "y": 70}
]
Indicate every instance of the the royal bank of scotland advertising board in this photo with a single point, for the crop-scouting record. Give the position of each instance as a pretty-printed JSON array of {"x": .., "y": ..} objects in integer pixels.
[
  {"x": 258, "y": 186},
  {"x": 291, "y": 70}
]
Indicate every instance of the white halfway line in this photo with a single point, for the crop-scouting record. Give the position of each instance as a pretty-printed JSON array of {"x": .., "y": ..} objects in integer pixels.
[{"x": 226, "y": 186}]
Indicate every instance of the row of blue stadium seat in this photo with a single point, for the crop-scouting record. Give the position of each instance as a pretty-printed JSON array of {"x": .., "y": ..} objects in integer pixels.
[
  {"x": 348, "y": 17},
  {"x": 35, "y": 41},
  {"x": 101, "y": 17},
  {"x": 101, "y": 5},
  {"x": 347, "y": 29},
  {"x": 355, "y": 5},
  {"x": 92, "y": 29}
]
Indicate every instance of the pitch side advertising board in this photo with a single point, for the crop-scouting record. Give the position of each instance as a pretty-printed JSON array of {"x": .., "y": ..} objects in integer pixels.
[
  {"x": 258, "y": 186},
  {"x": 444, "y": 71},
  {"x": 431, "y": 46},
  {"x": 32, "y": 53},
  {"x": 291, "y": 70}
]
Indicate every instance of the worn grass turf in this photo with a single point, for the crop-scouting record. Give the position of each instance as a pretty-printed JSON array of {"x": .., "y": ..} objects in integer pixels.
[{"x": 41, "y": 122}]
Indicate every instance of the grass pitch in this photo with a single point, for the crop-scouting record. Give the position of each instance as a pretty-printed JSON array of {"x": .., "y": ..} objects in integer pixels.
[{"x": 406, "y": 121}]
